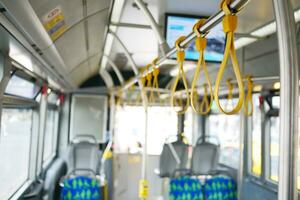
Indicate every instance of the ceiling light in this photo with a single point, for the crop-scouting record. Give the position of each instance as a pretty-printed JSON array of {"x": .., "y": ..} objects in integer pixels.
[
  {"x": 265, "y": 30},
  {"x": 276, "y": 86},
  {"x": 117, "y": 10},
  {"x": 257, "y": 88},
  {"x": 262, "y": 32},
  {"x": 243, "y": 41}
]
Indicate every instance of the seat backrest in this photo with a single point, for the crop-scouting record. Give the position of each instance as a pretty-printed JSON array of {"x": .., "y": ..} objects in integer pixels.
[
  {"x": 168, "y": 163},
  {"x": 205, "y": 158},
  {"x": 53, "y": 175},
  {"x": 84, "y": 155},
  {"x": 220, "y": 188}
]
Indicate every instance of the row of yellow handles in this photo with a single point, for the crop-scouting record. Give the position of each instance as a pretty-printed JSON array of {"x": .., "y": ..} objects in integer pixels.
[{"x": 204, "y": 106}]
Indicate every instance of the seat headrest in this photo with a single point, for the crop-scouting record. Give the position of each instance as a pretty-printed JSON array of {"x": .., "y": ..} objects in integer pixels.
[
  {"x": 205, "y": 158},
  {"x": 169, "y": 162}
]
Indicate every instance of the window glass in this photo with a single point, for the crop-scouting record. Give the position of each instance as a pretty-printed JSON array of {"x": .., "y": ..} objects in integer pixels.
[
  {"x": 21, "y": 87},
  {"x": 256, "y": 152},
  {"x": 226, "y": 128},
  {"x": 130, "y": 128},
  {"x": 274, "y": 148},
  {"x": 189, "y": 125},
  {"x": 15, "y": 137},
  {"x": 50, "y": 135}
]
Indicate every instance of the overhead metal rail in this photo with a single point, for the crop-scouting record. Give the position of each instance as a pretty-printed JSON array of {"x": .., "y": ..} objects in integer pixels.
[{"x": 211, "y": 22}]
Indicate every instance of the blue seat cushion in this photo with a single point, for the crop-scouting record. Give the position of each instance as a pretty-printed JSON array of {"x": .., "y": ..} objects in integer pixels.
[
  {"x": 81, "y": 188},
  {"x": 185, "y": 188},
  {"x": 220, "y": 188}
]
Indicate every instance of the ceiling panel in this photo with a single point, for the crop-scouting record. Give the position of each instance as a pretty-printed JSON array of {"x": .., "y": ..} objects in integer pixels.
[
  {"x": 72, "y": 9},
  {"x": 96, "y": 26},
  {"x": 71, "y": 46},
  {"x": 94, "y": 6},
  {"x": 81, "y": 59}
]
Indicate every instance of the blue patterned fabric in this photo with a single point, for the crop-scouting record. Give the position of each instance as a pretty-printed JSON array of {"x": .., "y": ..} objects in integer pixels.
[
  {"x": 81, "y": 188},
  {"x": 185, "y": 188},
  {"x": 220, "y": 188}
]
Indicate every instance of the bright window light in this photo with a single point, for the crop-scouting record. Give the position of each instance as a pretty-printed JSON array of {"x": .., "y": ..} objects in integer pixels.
[{"x": 244, "y": 41}]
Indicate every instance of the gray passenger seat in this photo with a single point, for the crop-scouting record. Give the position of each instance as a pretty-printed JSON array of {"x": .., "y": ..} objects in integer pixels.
[
  {"x": 168, "y": 164},
  {"x": 205, "y": 158},
  {"x": 57, "y": 170},
  {"x": 83, "y": 154}
]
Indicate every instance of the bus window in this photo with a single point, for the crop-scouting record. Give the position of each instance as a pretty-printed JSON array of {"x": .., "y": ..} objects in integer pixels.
[
  {"x": 21, "y": 87},
  {"x": 274, "y": 148},
  {"x": 256, "y": 153},
  {"x": 50, "y": 138},
  {"x": 129, "y": 128},
  {"x": 189, "y": 125},
  {"x": 227, "y": 129},
  {"x": 15, "y": 139}
]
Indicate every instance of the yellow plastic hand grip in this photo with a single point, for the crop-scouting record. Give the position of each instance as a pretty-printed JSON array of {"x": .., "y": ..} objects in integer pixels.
[
  {"x": 229, "y": 26},
  {"x": 181, "y": 75},
  {"x": 120, "y": 101},
  {"x": 205, "y": 103},
  {"x": 143, "y": 189},
  {"x": 249, "y": 99}
]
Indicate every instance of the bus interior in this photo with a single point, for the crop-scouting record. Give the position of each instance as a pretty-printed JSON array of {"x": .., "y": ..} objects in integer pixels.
[{"x": 149, "y": 99}]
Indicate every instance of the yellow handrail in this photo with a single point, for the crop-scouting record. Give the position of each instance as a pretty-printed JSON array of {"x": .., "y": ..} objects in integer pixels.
[
  {"x": 181, "y": 75},
  {"x": 249, "y": 99},
  {"x": 200, "y": 46},
  {"x": 229, "y": 26}
]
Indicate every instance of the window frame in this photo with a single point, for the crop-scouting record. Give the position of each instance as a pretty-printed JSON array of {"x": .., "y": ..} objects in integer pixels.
[
  {"x": 264, "y": 179},
  {"x": 53, "y": 155}
]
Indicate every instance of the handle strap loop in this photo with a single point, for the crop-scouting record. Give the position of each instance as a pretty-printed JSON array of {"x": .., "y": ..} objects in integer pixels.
[
  {"x": 249, "y": 99},
  {"x": 155, "y": 84},
  {"x": 143, "y": 82},
  {"x": 181, "y": 75},
  {"x": 229, "y": 26},
  {"x": 200, "y": 46}
]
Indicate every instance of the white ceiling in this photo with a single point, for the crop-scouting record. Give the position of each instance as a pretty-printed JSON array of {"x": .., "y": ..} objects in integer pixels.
[
  {"x": 82, "y": 63},
  {"x": 142, "y": 43}
]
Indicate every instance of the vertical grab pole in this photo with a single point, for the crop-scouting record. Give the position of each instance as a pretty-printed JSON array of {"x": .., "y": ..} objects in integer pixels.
[
  {"x": 288, "y": 115},
  {"x": 163, "y": 45},
  {"x": 144, "y": 190},
  {"x": 143, "y": 185}
]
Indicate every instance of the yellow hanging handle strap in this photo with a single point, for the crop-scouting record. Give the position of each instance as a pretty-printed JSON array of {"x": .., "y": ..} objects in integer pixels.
[
  {"x": 201, "y": 42},
  {"x": 205, "y": 104},
  {"x": 229, "y": 26},
  {"x": 120, "y": 101},
  {"x": 230, "y": 89},
  {"x": 181, "y": 75},
  {"x": 143, "y": 80},
  {"x": 155, "y": 85},
  {"x": 149, "y": 77},
  {"x": 249, "y": 100},
  {"x": 131, "y": 92}
]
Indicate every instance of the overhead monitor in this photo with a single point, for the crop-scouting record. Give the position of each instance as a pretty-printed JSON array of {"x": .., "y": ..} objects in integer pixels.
[{"x": 182, "y": 25}]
